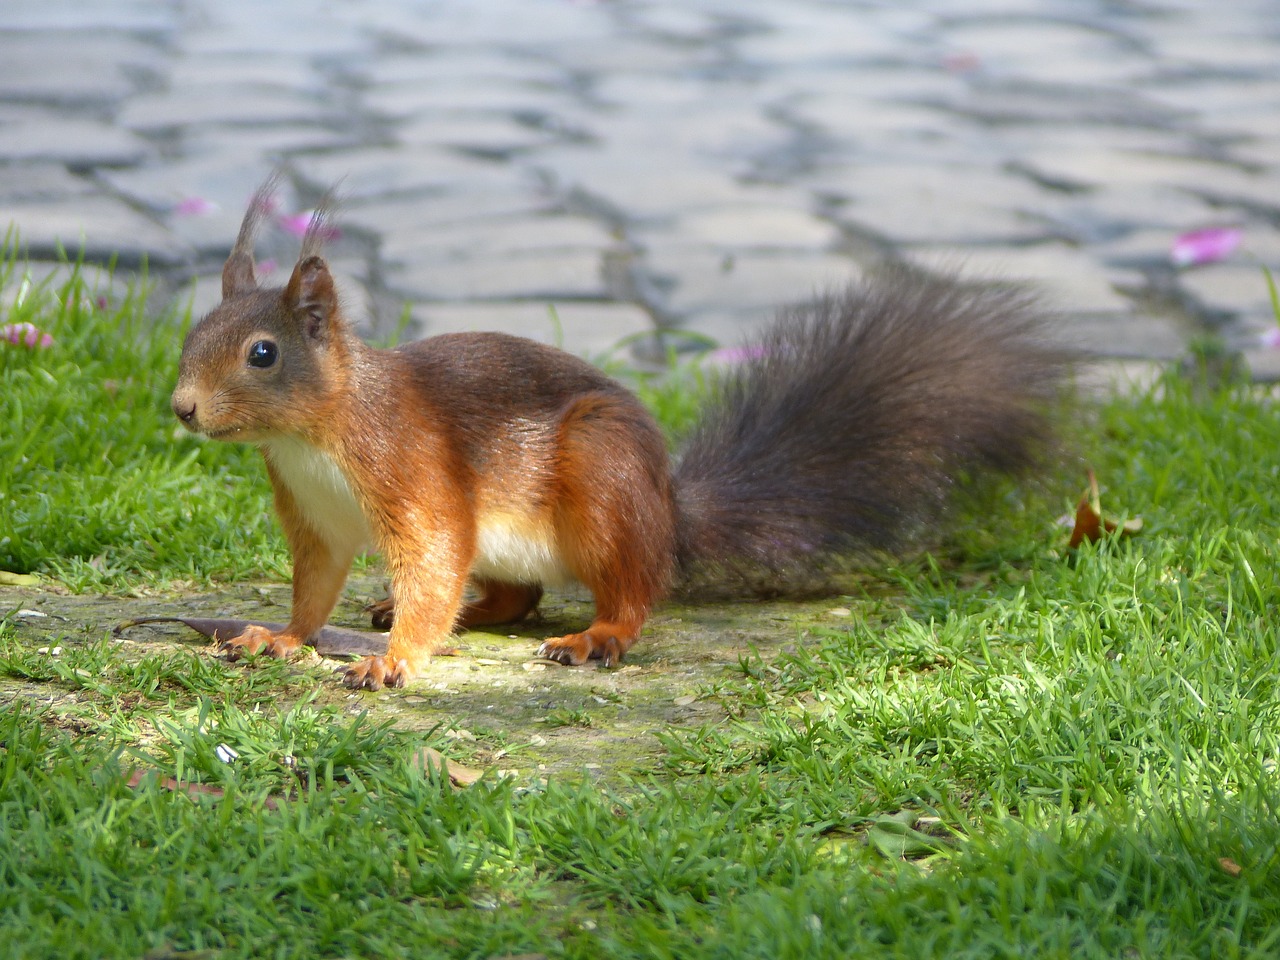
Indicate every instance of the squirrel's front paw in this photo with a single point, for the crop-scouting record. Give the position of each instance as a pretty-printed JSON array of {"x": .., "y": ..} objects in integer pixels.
[
  {"x": 256, "y": 639},
  {"x": 374, "y": 673}
]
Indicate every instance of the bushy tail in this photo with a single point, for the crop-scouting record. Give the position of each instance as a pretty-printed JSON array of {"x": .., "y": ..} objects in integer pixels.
[{"x": 861, "y": 412}]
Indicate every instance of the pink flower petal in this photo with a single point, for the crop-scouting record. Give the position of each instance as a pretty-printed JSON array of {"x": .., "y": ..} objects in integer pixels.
[
  {"x": 1204, "y": 246},
  {"x": 194, "y": 207},
  {"x": 299, "y": 223},
  {"x": 25, "y": 335},
  {"x": 1271, "y": 338}
]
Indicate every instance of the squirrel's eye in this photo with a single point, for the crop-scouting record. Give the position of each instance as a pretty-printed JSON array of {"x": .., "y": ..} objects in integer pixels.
[{"x": 262, "y": 354}]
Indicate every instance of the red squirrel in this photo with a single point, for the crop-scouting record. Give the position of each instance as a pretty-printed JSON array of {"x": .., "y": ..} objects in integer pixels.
[{"x": 499, "y": 462}]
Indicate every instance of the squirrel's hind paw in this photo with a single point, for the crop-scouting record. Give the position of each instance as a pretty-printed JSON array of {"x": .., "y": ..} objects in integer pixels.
[
  {"x": 257, "y": 639},
  {"x": 606, "y": 642},
  {"x": 374, "y": 673},
  {"x": 382, "y": 613}
]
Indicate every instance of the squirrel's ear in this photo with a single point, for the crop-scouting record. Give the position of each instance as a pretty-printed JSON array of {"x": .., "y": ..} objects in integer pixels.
[
  {"x": 311, "y": 296},
  {"x": 237, "y": 272},
  {"x": 237, "y": 275}
]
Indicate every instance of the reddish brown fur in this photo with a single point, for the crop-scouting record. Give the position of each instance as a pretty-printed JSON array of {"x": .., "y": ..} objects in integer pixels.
[
  {"x": 499, "y": 603},
  {"x": 614, "y": 521}
]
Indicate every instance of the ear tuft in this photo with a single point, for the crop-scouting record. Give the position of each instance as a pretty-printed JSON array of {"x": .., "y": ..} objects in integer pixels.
[{"x": 237, "y": 272}]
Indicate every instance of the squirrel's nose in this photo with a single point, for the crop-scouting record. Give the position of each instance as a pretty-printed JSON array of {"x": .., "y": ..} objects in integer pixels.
[{"x": 183, "y": 407}]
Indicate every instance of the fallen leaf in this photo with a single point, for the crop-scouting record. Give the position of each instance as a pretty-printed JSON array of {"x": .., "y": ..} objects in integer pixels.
[
  {"x": 1230, "y": 867},
  {"x": 10, "y": 579},
  {"x": 136, "y": 778},
  {"x": 1090, "y": 525},
  {"x": 432, "y": 761},
  {"x": 895, "y": 836}
]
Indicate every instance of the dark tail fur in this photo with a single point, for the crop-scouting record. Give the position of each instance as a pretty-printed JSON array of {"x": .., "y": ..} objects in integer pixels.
[{"x": 849, "y": 431}]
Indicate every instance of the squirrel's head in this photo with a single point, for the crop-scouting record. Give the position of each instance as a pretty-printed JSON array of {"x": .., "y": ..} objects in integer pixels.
[{"x": 267, "y": 360}]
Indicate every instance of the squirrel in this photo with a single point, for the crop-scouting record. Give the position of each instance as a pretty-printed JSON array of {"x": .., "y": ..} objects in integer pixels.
[{"x": 506, "y": 464}]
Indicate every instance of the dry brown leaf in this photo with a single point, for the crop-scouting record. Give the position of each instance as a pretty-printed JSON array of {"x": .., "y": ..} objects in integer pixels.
[
  {"x": 190, "y": 789},
  {"x": 431, "y": 760},
  {"x": 1230, "y": 867},
  {"x": 1091, "y": 525}
]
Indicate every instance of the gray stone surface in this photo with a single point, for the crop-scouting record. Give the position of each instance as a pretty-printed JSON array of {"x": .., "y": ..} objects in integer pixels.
[
  {"x": 645, "y": 163},
  {"x": 596, "y": 331}
]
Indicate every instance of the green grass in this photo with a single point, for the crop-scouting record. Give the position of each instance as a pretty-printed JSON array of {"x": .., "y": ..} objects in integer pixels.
[
  {"x": 101, "y": 487},
  {"x": 1004, "y": 751}
]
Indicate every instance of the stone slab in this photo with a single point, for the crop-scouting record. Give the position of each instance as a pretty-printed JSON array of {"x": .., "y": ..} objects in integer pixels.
[
  {"x": 404, "y": 220},
  {"x": 1124, "y": 336},
  {"x": 469, "y": 132},
  {"x": 499, "y": 237},
  {"x": 708, "y": 281},
  {"x": 1070, "y": 279},
  {"x": 40, "y": 181},
  {"x": 597, "y": 331},
  {"x": 246, "y": 104},
  {"x": 223, "y": 183},
  {"x": 1237, "y": 288},
  {"x": 75, "y": 142},
  {"x": 379, "y": 171},
  {"x": 569, "y": 275},
  {"x": 102, "y": 226},
  {"x": 744, "y": 226},
  {"x": 935, "y": 203},
  {"x": 104, "y": 68}
]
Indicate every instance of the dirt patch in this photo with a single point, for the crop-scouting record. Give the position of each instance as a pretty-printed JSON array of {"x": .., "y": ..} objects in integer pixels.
[{"x": 504, "y": 707}]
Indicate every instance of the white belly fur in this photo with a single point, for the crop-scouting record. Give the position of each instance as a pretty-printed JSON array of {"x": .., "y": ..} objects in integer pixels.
[
  {"x": 508, "y": 548},
  {"x": 513, "y": 551},
  {"x": 322, "y": 494}
]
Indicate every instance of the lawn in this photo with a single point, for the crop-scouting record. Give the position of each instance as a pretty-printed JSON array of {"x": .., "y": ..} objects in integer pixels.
[{"x": 1000, "y": 748}]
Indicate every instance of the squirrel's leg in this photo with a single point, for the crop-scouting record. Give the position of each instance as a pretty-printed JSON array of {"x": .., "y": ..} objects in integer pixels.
[
  {"x": 319, "y": 571},
  {"x": 614, "y": 522},
  {"x": 428, "y": 572},
  {"x": 498, "y": 603}
]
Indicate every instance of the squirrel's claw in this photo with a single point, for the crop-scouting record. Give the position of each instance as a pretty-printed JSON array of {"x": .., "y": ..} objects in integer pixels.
[
  {"x": 603, "y": 642},
  {"x": 258, "y": 639},
  {"x": 374, "y": 673}
]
